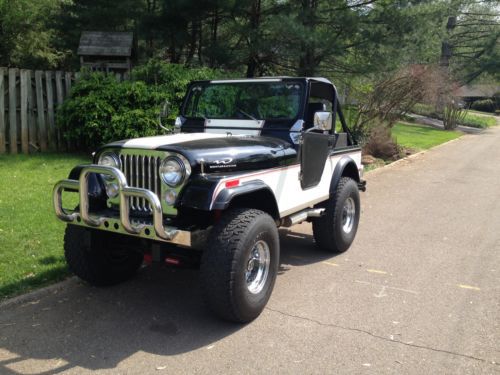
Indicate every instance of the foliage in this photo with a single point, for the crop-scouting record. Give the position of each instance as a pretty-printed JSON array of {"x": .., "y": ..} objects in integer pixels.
[
  {"x": 386, "y": 101},
  {"x": 474, "y": 39},
  {"x": 480, "y": 121},
  {"x": 475, "y": 121},
  {"x": 421, "y": 137},
  {"x": 453, "y": 115},
  {"x": 102, "y": 109},
  {"x": 381, "y": 144},
  {"x": 486, "y": 105},
  {"x": 172, "y": 79},
  {"x": 30, "y": 237},
  {"x": 25, "y": 35},
  {"x": 425, "y": 110}
]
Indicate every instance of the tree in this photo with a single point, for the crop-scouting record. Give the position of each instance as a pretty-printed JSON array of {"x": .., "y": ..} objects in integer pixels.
[
  {"x": 94, "y": 15},
  {"x": 25, "y": 35},
  {"x": 474, "y": 39}
]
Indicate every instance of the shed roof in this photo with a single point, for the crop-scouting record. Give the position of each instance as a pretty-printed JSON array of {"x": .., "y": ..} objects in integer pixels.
[
  {"x": 477, "y": 91},
  {"x": 101, "y": 43}
]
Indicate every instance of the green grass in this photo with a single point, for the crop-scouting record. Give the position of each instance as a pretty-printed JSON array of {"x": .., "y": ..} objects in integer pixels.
[
  {"x": 481, "y": 112},
  {"x": 421, "y": 137},
  {"x": 473, "y": 119},
  {"x": 478, "y": 121},
  {"x": 31, "y": 239}
]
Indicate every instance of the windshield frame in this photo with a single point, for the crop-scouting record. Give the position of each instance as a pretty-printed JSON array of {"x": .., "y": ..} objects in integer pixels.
[{"x": 299, "y": 114}]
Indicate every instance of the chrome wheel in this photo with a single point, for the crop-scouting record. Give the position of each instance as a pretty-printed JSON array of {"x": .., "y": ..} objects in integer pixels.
[
  {"x": 348, "y": 214},
  {"x": 258, "y": 267}
]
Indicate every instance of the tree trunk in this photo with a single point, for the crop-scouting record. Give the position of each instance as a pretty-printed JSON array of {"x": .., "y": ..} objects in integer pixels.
[
  {"x": 195, "y": 25},
  {"x": 215, "y": 25},
  {"x": 253, "y": 58},
  {"x": 308, "y": 62}
]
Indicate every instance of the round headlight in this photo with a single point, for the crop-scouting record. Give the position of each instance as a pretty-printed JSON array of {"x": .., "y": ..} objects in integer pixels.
[
  {"x": 109, "y": 159},
  {"x": 172, "y": 171}
]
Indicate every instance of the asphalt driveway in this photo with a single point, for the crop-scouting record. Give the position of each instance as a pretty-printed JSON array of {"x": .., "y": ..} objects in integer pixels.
[{"x": 418, "y": 292}]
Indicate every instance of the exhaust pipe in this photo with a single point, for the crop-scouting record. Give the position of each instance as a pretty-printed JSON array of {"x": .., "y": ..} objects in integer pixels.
[{"x": 301, "y": 216}]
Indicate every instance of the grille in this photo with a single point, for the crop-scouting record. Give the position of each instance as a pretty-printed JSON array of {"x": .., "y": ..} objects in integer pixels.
[{"x": 141, "y": 171}]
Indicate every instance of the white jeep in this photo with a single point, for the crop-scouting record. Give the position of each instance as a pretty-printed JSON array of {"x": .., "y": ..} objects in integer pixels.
[{"x": 247, "y": 157}]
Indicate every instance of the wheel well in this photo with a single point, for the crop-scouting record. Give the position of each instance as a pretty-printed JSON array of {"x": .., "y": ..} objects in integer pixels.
[
  {"x": 351, "y": 171},
  {"x": 262, "y": 199}
]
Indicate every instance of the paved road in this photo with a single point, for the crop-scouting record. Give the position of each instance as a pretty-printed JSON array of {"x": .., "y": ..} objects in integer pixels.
[{"x": 417, "y": 293}]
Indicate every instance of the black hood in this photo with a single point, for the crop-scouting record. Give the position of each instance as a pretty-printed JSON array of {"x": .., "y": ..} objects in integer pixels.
[
  {"x": 227, "y": 153},
  {"x": 233, "y": 153}
]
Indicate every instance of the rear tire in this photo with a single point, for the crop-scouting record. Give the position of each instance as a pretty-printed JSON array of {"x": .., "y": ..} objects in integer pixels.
[
  {"x": 100, "y": 258},
  {"x": 336, "y": 229},
  {"x": 240, "y": 264}
]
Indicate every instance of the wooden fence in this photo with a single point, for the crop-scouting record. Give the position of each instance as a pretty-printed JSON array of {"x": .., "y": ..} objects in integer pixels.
[{"x": 28, "y": 103}]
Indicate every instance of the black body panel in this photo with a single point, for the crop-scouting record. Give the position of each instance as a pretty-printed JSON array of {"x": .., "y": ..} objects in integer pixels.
[
  {"x": 314, "y": 152},
  {"x": 231, "y": 154}
]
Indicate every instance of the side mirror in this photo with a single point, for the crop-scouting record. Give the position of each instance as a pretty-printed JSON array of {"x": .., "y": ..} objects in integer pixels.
[{"x": 323, "y": 121}]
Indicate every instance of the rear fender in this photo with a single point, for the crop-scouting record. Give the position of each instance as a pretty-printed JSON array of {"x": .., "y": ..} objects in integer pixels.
[{"x": 346, "y": 167}]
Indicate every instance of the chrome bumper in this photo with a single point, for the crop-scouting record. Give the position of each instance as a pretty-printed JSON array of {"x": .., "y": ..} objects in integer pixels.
[{"x": 156, "y": 231}]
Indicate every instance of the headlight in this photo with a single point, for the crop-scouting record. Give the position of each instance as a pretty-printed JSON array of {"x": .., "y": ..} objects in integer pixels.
[
  {"x": 172, "y": 171},
  {"x": 109, "y": 159}
]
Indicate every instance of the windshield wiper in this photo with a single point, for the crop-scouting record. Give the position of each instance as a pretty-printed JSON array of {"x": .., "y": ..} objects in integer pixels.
[{"x": 247, "y": 114}]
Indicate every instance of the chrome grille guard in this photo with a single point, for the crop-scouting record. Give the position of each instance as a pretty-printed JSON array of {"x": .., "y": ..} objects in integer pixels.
[{"x": 83, "y": 216}]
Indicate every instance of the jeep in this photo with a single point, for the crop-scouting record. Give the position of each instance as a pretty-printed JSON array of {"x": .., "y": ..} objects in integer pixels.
[{"x": 245, "y": 157}]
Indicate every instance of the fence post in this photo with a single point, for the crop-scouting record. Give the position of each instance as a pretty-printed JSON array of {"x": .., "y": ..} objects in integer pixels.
[
  {"x": 12, "y": 111},
  {"x": 42, "y": 129},
  {"x": 24, "y": 111},
  {"x": 32, "y": 136},
  {"x": 67, "y": 83},
  {"x": 2, "y": 111},
  {"x": 60, "y": 99},
  {"x": 50, "y": 110}
]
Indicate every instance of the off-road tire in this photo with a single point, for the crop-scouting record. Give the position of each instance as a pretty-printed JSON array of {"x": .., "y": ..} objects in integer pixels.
[
  {"x": 99, "y": 258},
  {"x": 328, "y": 230},
  {"x": 225, "y": 260}
]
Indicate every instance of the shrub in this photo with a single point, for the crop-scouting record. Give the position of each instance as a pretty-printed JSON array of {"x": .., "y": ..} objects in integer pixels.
[
  {"x": 171, "y": 79},
  {"x": 486, "y": 105},
  {"x": 100, "y": 109},
  {"x": 381, "y": 144},
  {"x": 475, "y": 121},
  {"x": 425, "y": 110},
  {"x": 453, "y": 115}
]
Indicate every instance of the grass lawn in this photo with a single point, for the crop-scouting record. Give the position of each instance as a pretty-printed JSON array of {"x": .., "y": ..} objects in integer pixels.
[
  {"x": 472, "y": 118},
  {"x": 31, "y": 239},
  {"x": 479, "y": 121},
  {"x": 421, "y": 137}
]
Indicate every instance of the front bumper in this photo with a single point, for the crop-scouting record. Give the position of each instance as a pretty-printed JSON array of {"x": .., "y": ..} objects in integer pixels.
[{"x": 151, "y": 229}]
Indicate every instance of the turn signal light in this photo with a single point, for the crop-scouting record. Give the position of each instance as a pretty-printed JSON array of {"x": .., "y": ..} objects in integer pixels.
[{"x": 232, "y": 183}]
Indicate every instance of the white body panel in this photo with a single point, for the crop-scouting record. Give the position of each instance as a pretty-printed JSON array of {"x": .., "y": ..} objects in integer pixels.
[
  {"x": 285, "y": 184},
  {"x": 150, "y": 143},
  {"x": 249, "y": 127}
]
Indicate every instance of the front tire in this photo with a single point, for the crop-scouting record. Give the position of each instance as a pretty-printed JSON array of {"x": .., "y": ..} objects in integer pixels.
[
  {"x": 240, "y": 264},
  {"x": 336, "y": 229},
  {"x": 100, "y": 258}
]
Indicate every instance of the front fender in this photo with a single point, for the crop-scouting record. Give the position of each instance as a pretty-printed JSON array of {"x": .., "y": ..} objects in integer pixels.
[{"x": 224, "y": 198}]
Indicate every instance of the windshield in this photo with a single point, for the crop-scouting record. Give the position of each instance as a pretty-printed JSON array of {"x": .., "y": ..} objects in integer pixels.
[{"x": 244, "y": 100}]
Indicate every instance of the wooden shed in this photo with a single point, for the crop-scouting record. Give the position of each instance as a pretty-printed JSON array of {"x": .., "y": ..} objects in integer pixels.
[{"x": 106, "y": 51}]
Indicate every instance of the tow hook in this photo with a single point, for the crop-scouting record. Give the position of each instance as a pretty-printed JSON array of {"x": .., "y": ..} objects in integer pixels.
[{"x": 362, "y": 185}]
